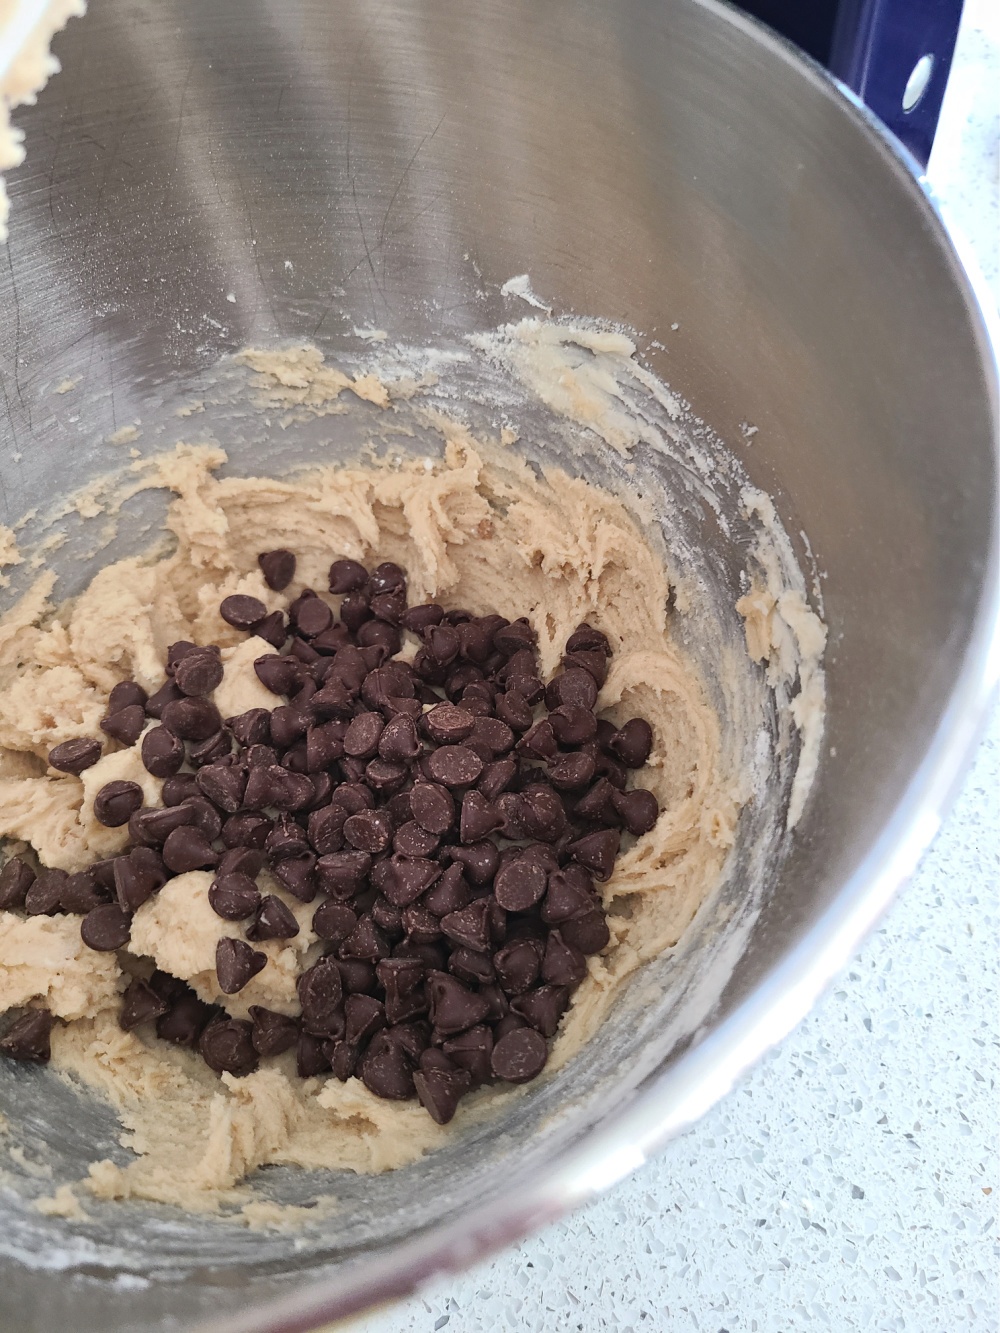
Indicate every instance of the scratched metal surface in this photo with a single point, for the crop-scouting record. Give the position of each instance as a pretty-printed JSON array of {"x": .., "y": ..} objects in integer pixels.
[{"x": 206, "y": 175}]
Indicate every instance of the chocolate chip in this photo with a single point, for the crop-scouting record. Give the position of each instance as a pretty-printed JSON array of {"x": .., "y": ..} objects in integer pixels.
[
  {"x": 311, "y": 1055},
  {"x": 217, "y": 747},
  {"x": 596, "y": 852},
  {"x": 595, "y": 805},
  {"x": 198, "y": 673},
  {"x": 469, "y": 926},
  {"x": 518, "y": 965},
  {"x": 398, "y": 742},
  {"x": 273, "y": 629},
  {"x": 572, "y": 772},
  {"x": 347, "y": 576},
  {"x": 471, "y": 967},
  {"x": 75, "y": 756},
  {"x": 16, "y": 878},
  {"x": 366, "y": 942},
  {"x": 449, "y": 894},
  {"x": 471, "y": 1051},
  {"x": 248, "y": 861},
  {"x": 440, "y": 1091},
  {"x": 542, "y": 1007},
  {"x": 162, "y": 752},
  {"x": 273, "y": 785},
  {"x": 184, "y": 1021},
  {"x": 491, "y": 736},
  {"x": 638, "y": 809},
  {"x": 126, "y": 693},
  {"x": 633, "y": 742},
  {"x": 572, "y": 686},
  {"x": 296, "y": 874},
  {"x": 387, "y": 578},
  {"x": 137, "y": 876},
  {"x": 286, "y": 838},
  {"x": 324, "y": 746},
  {"x": 105, "y": 928},
  {"x": 280, "y": 675},
  {"x": 226, "y": 1045},
  {"x": 519, "y": 885},
  {"x": 334, "y": 921},
  {"x": 369, "y": 830},
  {"x": 542, "y": 813},
  {"x": 176, "y": 652},
  {"x": 594, "y": 663},
  {"x": 363, "y": 734},
  {"x": 80, "y": 894},
  {"x": 412, "y": 840},
  {"x": 497, "y": 777},
  {"x": 236, "y": 963},
  {"x": 421, "y": 925},
  {"x": 27, "y": 1038},
  {"x": 408, "y": 878},
  {"x": 589, "y": 934},
  {"x": 384, "y": 776},
  {"x": 479, "y": 860},
  {"x": 341, "y": 874},
  {"x": 167, "y": 693},
  {"x": 447, "y": 724},
  {"x": 573, "y": 724},
  {"x": 246, "y": 829},
  {"x": 354, "y": 610},
  {"x": 224, "y": 785},
  {"x": 419, "y": 618},
  {"x": 278, "y": 568},
  {"x": 385, "y": 1070},
  {"x": 242, "y": 612},
  {"x": 326, "y": 829},
  {"x": 140, "y": 1004},
  {"x": 272, "y": 1033},
  {"x": 562, "y": 965},
  {"x": 433, "y": 807},
  {"x": 312, "y": 616},
  {"x": 402, "y": 979},
  {"x": 234, "y": 896},
  {"x": 126, "y": 724},
  {"x": 569, "y": 895},
  {"x": 274, "y": 921},
  {"x": 515, "y": 637},
  {"x": 192, "y": 719},
  {"x": 454, "y": 766},
  {"x": 115, "y": 802},
  {"x": 519, "y": 1056},
  {"x": 251, "y": 728},
  {"x": 187, "y": 848},
  {"x": 478, "y": 818},
  {"x": 44, "y": 896}
]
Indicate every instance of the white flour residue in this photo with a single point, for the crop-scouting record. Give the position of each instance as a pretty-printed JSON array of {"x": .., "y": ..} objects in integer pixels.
[{"x": 521, "y": 286}]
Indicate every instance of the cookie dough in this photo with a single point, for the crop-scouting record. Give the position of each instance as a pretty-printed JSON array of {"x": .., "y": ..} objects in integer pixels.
[{"x": 489, "y": 535}]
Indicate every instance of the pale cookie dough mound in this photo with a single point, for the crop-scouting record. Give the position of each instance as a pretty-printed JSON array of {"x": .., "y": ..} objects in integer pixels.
[{"x": 485, "y": 536}]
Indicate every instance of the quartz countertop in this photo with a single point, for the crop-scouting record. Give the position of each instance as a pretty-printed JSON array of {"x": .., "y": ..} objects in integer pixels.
[{"x": 850, "y": 1182}]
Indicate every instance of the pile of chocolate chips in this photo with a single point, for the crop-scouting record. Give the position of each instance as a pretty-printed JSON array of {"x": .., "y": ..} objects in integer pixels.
[{"x": 447, "y": 815}]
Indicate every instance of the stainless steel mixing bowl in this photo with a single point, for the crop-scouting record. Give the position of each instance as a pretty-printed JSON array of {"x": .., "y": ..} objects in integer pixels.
[{"x": 210, "y": 173}]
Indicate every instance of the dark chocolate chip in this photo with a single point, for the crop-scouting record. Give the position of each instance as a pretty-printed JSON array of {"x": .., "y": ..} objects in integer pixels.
[
  {"x": 387, "y": 578},
  {"x": 198, "y": 673},
  {"x": 412, "y": 840},
  {"x": 447, "y": 724},
  {"x": 162, "y": 752},
  {"x": 573, "y": 724},
  {"x": 542, "y": 813},
  {"x": 312, "y": 616},
  {"x": 242, "y": 612},
  {"x": 226, "y": 1045},
  {"x": 27, "y": 1038},
  {"x": 246, "y": 829},
  {"x": 126, "y": 724},
  {"x": 569, "y": 895},
  {"x": 16, "y": 878},
  {"x": 403, "y": 980},
  {"x": 363, "y": 734},
  {"x": 573, "y": 686},
  {"x": 398, "y": 742},
  {"x": 589, "y": 934},
  {"x": 542, "y": 1007},
  {"x": 479, "y": 860},
  {"x": 562, "y": 965},
  {"x": 474, "y": 968},
  {"x": 44, "y": 896},
  {"x": 273, "y": 785},
  {"x": 638, "y": 809},
  {"x": 369, "y": 830},
  {"x": 168, "y": 693},
  {"x": 217, "y": 747},
  {"x": 252, "y": 727},
  {"x": 274, "y": 921},
  {"x": 126, "y": 693},
  {"x": 419, "y": 618},
  {"x": 278, "y": 568},
  {"x": 188, "y": 848},
  {"x": 497, "y": 777},
  {"x": 280, "y": 675},
  {"x": 440, "y": 1091},
  {"x": 248, "y": 861},
  {"x": 478, "y": 818},
  {"x": 326, "y": 829},
  {"x": 633, "y": 742},
  {"x": 324, "y": 745},
  {"x": 471, "y": 1051},
  {"x": 341, "y": 874},
  {"x": 596, "y": 852},
  {"x": 192, "y": 719},
  {"x": 140, "y": 1004},
  {"x": 384, "y": 776},
  {"x": 296, "y": 873},
  {"x": 347, "y": 576},
  {"x": 365, "y": 942},
  {"x": 519, "y": 885},
  {"x": 454, "y": 766},
  {"x": 311, "y": 1056},
  {"x": 105, "y": 928},
  {"x": 116, "y": 801},
  {"x": 540, "y": 742},
  {"x": 469, "y": 926},
  {"x": 518, "y": 965},
  {"x": 334, "y": 921},
  {"x": 273, "y": 629},
  {"x": 272, "y": 1033},
  {"x": 76, "y": 755},
  {"x": 320, "y": 994},
  {"x": 585, "y": 638},
  {"x": 449, "y": 894},
  {"x": 138, "y": 875},
  {"x": 407, "y": 878},
  {"x": 515, "y": 637},
  {"x": 287, "y": 838},
  {"x": 224, "y": 785},
  {"x": 519, "y": 1056},
  {"x": 491, "y": 736},
  {"x": 433, "y": 807},
  {"x": 594, "y": 663},
  {"x": 236, "y": 963},
  {"x": 572, "y": 772},
  {"x": 234, "y": 896}
]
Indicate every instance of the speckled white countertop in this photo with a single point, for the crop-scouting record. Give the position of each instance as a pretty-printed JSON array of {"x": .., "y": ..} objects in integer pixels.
[{"x": 851, "y": 1182}]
